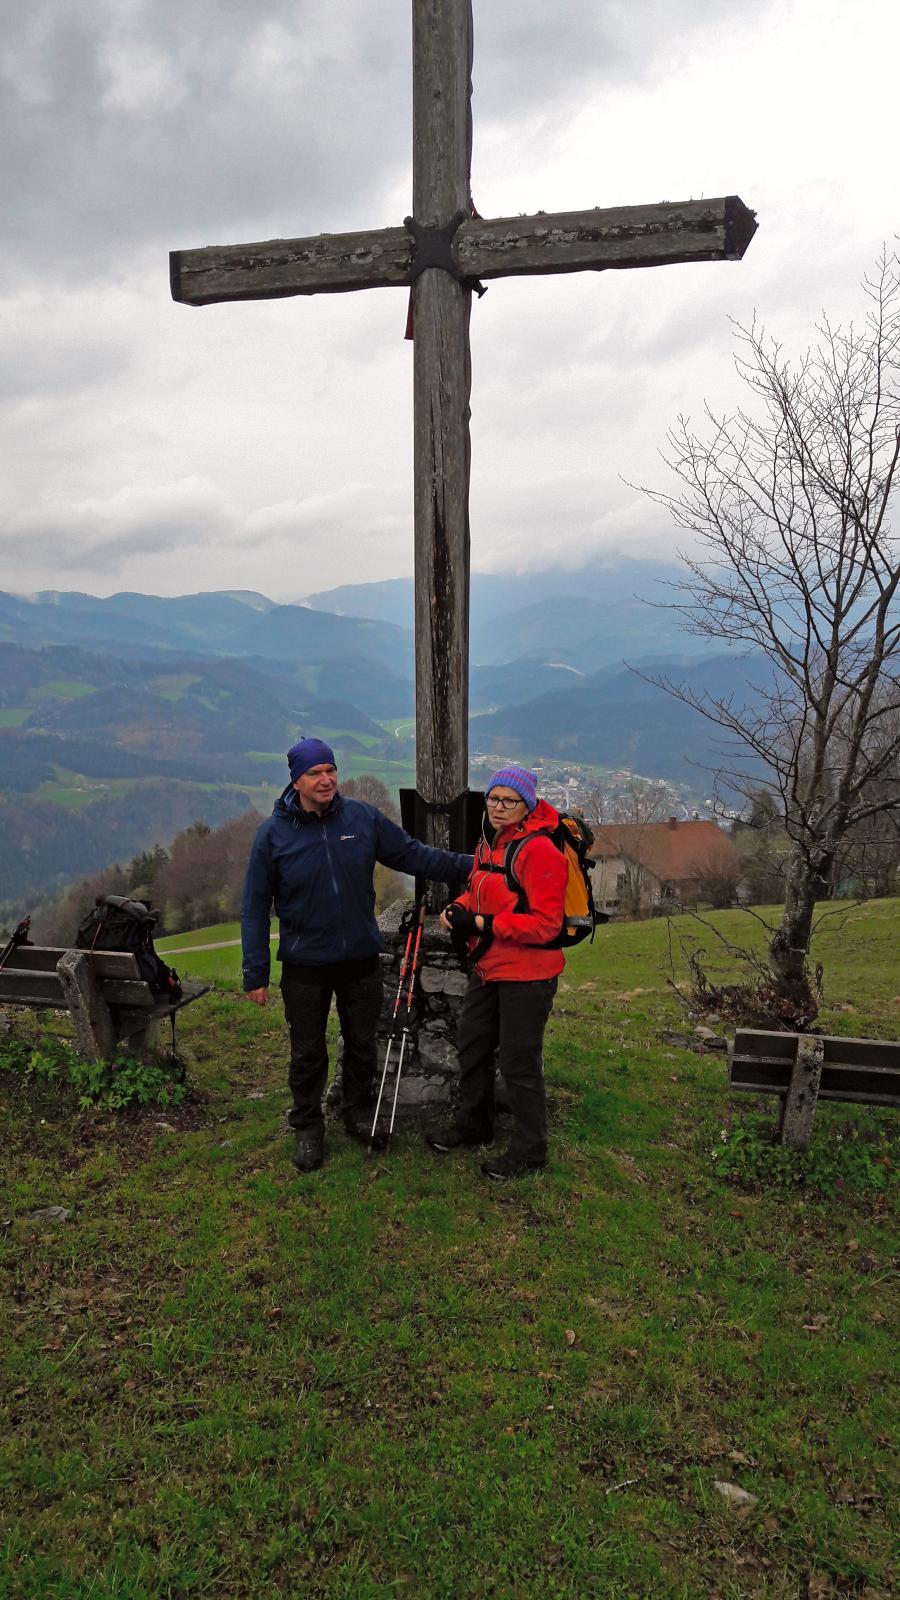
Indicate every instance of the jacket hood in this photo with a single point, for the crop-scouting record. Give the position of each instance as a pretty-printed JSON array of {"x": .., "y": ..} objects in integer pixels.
[{"x": 543, "y": 816}]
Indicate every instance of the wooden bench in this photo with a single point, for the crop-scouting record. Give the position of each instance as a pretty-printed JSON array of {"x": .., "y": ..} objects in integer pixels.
[
  {"x": 107, "y": 998},
  {"x": 807, "y": 1067}
]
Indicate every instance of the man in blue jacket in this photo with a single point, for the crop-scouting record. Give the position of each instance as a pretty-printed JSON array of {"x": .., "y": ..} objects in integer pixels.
[{"x": 315, "y": 859}]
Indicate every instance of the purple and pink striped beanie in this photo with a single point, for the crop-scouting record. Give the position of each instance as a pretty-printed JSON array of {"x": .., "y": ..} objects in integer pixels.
[{"x": 518, "y": 778}]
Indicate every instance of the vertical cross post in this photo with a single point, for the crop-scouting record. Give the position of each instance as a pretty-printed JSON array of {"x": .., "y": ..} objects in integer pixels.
[{"x": 442, "y": 150}]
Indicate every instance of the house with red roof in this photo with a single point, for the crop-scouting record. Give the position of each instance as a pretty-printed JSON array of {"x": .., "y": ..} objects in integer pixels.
[{"x": 642, "y": 866}]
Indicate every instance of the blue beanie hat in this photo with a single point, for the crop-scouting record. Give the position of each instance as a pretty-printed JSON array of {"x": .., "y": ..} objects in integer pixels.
[
  {"x": 309, "y": 753},
  {"x": 518, "y": 778}
]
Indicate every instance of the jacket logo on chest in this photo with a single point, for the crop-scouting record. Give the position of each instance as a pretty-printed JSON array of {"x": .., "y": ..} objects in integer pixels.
[{"x": 347, "y": 836}]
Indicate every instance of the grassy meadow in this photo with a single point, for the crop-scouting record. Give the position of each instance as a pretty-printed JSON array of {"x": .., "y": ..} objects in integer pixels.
[{"x": 392, "y": 1378}]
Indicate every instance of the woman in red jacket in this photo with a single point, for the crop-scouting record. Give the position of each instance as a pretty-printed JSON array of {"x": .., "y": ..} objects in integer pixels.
[{"x": 513, "y": 980}]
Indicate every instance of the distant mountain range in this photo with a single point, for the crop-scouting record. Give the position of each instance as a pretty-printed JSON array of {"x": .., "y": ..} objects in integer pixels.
[
  {"x": 617, "y": 718},
  {"x": 110, "y": 707},
  {"x": 141, "y": 626},
  {"x": 597, "y": 616}
]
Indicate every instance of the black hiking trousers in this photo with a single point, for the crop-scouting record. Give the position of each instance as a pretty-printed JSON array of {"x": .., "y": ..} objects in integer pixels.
[
  {"x": 511, "y": 1017},
  {"x": 307, "y": 993}
]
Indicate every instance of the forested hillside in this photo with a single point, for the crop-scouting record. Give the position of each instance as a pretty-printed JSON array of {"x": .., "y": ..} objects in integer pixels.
[
  {"x": 124, "y": 719},
  {"x": 44, "y": 846}
]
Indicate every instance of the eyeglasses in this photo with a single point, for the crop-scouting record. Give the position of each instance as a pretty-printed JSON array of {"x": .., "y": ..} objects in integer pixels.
[{"x": 504, "y": 804}]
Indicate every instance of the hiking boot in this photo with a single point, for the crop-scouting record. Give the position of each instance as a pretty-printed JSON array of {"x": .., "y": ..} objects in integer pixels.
[
  {"x": 310, "y": 1152},
  {"x": 359, "y": 1127},
  {"x": 509, "y": 1166},
  {"x": 443, "y": 1140}
]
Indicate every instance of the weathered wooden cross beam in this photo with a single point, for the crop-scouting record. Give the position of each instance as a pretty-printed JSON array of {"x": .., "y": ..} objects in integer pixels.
[{"x": 442, "y": 252}]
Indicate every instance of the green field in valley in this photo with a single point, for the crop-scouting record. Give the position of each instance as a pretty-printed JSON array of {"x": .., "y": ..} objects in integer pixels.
[
  {"x": 63, "y": 689},
  {"x": 392, "y": 1378}
]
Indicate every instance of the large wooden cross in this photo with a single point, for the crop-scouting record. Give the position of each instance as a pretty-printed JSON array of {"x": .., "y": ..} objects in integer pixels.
[{"x": 444, "y": 251}]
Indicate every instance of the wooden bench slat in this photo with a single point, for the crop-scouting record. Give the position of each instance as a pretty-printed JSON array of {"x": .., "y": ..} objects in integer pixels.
[
  {"x": 30, "y": 989},
  {"x": 758, "y": 1042},
  {"x": 862, "y": 1052},
  {"x": 866, "y": 1097},
  {"x": 19, "y": 988},
  {"x": 782, "y": 1069},
  {"x": 754, "y": 1044},
  {"x": 833, "y": 1072},
  {"x": 106, "y": 963}
]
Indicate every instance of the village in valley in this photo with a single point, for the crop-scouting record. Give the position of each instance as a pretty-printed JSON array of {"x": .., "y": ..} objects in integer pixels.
[{"x": 655, "y": 850}]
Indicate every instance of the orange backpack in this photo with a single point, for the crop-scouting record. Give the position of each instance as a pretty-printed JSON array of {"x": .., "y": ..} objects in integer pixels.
[{"x": 574, "y": 838}]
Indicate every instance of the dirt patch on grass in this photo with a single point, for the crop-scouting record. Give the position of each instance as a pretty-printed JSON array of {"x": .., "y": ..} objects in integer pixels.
[{"x": 40, "y": 1115}]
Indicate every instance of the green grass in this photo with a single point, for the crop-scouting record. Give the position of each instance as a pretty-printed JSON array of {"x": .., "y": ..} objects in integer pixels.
[
  {"x": 215, "y": 934},
  {"x": 335, "y": 735},
  {"x": 391, "y": 1378},
  {"x": 63, "y": 689},
  {"x": 13, "y": 717},
  {"x": 217, "y": 965},
  {"x": 394, "y": 774},
  {"x": 77, "y": 794},
  {"x": 174, "y": 685},
  {"x": 402, "y": 726}
]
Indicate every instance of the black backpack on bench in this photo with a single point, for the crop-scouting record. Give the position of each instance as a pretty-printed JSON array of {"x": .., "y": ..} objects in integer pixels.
[{"x": 117, "y": 923}]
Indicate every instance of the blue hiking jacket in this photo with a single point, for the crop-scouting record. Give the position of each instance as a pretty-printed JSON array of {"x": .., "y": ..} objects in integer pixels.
[{"x": 318, "y": 872}]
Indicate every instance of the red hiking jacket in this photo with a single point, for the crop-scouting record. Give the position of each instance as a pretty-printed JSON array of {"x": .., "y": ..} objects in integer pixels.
[{"x": 515, "y": 954}]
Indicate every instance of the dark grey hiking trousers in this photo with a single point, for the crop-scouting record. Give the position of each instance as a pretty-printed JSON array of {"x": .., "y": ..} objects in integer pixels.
[
  {"x": 307, "y": 993},
  {"x": 511, "y": 1016}
]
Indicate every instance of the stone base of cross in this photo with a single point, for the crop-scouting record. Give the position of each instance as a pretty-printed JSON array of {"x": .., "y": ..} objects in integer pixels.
[{"x": 443, "y": 252}]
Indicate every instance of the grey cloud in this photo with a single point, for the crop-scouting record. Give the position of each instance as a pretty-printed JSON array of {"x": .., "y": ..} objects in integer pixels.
[
  {"x": 63, "y": 550},
  {"x": 526, "y": 50},
  {"x": 75, "y": 360},
  {"x": 214, "y": 120},
  {"x": 187, "y": 121},
  {"x": 99, "y": 534}
]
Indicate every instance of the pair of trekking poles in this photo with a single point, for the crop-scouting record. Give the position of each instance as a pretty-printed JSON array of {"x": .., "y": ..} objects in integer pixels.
[{"x": 380, "y": 1141}]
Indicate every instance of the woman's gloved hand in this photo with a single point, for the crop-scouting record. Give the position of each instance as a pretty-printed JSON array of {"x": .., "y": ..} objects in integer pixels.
[{"x": 470, "y": 925}]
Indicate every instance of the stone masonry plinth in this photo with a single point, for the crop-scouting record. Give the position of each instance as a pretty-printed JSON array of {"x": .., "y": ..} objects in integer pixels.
[{"x": 429, "y": 1063}]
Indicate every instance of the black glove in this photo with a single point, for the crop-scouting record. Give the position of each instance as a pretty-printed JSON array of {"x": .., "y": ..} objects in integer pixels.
[{"x": 463, "y": 921}]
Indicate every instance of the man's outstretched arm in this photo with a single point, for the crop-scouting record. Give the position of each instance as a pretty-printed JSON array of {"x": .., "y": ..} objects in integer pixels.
[{"x": 398, "y": 849}]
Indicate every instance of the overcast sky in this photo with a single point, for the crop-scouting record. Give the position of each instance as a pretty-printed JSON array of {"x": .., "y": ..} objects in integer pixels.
[{"x": 150, "y": 446}]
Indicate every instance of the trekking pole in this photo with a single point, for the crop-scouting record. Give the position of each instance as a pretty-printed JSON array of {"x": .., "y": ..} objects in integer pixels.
[
  {"x": 405, "y": 1035},
  {"x": 392, "y": 1037},
  {"x": 376, "y": 1142},
  {"x": 18, "y": 936}
]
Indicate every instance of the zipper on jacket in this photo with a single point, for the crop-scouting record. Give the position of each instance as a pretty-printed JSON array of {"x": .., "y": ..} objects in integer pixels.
[
  {"x": 328, "y": 859},
  {"x": 334, "y": 883}
]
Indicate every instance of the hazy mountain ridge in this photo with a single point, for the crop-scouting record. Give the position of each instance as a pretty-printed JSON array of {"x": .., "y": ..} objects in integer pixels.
[
  {"x": 606, "y": 579},
  {"x": 618, "y": 718},
  {"x": 597, "y": 616},
  {"x": 193, "y": 709},
  {"x": 114, "y": 712},
  {"x": 209, "y": 624}
]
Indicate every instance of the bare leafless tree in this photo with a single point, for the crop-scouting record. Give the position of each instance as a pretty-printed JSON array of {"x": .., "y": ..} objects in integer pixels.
[
  {"x": 796, "y": 560},
  {"x": 717, "y": 875},
  {"x": 374, "y": 791}
]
